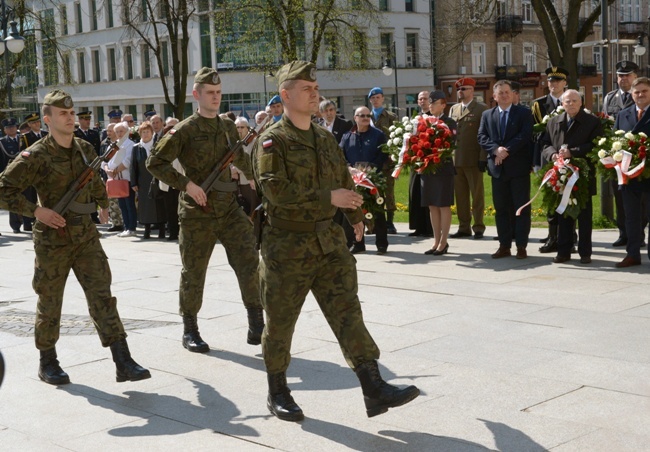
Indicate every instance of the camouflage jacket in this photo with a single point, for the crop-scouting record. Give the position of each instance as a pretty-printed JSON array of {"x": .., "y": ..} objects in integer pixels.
[
  {"x": 295, "y": 178},
  {"x": 199, "y": 144},
  {"x": 51, "y": 169}
]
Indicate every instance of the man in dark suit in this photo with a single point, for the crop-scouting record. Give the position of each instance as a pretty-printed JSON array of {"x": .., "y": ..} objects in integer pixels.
[
  {"x": 505, "y": 134},
  {"x": 85, "y": 132},
  {"x": 636, "y": 193},
  {"x": 545, "y": 105},
  {"x": 332, "y": 122},
  {"x": 571, "y": 134},
  {"x": 614, "y": 102}
]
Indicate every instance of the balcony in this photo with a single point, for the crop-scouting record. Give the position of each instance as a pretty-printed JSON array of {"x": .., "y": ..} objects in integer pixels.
[
  {"x": 587, "y": 70},
  {"x": 631, "y": 30},
  {"x": 512, "y": 72},
  {"x": 509, "y": 25}
]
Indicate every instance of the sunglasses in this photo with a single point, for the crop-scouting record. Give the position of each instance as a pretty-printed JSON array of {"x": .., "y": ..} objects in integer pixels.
[
  {"x": 363, "y": 116},
  {"x": 463, "y": 88}
]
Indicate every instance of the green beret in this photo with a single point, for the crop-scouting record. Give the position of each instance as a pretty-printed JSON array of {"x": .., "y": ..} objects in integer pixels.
[
  {"x": 297, "y": 70},
  {"x": 207, "y": 75},
  {"x": 58, "y": 98}
]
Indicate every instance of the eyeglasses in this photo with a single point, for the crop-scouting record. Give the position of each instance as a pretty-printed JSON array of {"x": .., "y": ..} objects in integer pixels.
[
  {"x": 130, "y": 121},
  {"x": 242, "y": 127},
  {"x": 463, "y": 88},
  {"x": 363, "y": 116}
]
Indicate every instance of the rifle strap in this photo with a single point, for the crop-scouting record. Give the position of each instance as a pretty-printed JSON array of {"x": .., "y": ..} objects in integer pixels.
[
  {"x": 82, "y": 208},
  {"x": 224, "y": 186}
]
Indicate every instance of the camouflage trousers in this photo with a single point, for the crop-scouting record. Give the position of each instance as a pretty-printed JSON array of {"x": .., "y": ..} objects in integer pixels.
[
  {"x": 197, "y": 239},
  {"x": 90, "y": 265},
  {"x": 114, "y": 212},
  {"x": 332, "y": 278}
]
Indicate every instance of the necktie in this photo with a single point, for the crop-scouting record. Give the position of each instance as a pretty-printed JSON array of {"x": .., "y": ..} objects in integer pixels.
[
  {"x": 569, "y": 122},
  {"x": 463, "y": 110},
  {"x": 502, "y": 125},
  {"x": 557, "y": 103},
  {"x": 626, "y": 98},
  {"x": 639, "y": 114}
]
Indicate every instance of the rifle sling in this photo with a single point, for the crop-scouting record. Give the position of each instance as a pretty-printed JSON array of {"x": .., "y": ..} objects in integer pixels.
[
  {"x": 82, "y": 208},
  {"x": 218, "y": 185}
]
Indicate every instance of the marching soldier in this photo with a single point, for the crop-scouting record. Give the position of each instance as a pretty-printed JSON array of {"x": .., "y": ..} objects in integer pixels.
[
  {"x": 614, "y": 102},
  {"x": 64, "y": 243},
  {"x": 199, "y": 143},
  {"x": 303, "y": 177},
  {"x": 542, "y": 106}
]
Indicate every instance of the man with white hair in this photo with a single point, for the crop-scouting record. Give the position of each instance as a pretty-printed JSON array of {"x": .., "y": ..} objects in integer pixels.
[{"x": 118, "y": 167}]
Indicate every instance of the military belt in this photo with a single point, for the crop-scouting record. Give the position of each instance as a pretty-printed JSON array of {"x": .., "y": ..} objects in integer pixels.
[
  {"x": 83, "y": 208},
  {"x": 299, "y": 226}
]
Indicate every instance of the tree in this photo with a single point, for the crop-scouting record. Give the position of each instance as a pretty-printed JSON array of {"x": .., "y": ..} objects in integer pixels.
[
  {"x": 163, "y": 29},
  {"x": 265, "y": 33}
]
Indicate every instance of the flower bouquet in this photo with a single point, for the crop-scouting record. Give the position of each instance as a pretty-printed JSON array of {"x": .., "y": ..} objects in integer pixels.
[
  {"x": 371, "y": 184},
  {"x": 426, "y": 143},
  {"x": 564, "y": 187},
  {"x": 621, "y": 156},
  {"x": 541, "y": 127}
]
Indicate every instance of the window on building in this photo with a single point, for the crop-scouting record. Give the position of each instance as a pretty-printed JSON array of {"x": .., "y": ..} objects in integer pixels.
[
  {"x": 165, "y": 58},
  {"x": 360, "y": 52},
  {"x": 100, "y": 115},
  {"x": 412, "y": 59},
  {"x": 383, "y": 5},
  {"x": 128, "y": 63},
  {"x": 624, "y": 52},
  {"x": 63, "y": 12},
  {"x": 502, "y": 8},
  {"x": 331, "y": 49},
  {"x": 386, "y": 44},
  {"x": 163, "y": 10},
  {"x": 527, "y": 11},
  {"x": 206, "y": 40},
  {"x": 504, "y": 54},
  {"x": 81, "y": 65},
  {"x": 133, "y": 110},
  {"x": 67, "y": 69},
  {"x": 596, "y": 98},
  {"x": 93, "y": 15},
  {"x": 109, "y": 14},
  {"x": 144, "y": 12},
  {"x": 50, "y": 62},
  {"x": 530, "y": 59},
  {"x": 77, "y": 18},
  {"x": 146, "y": 62},
  {"x": 126, "y": 11},
  {"x": 629, "y": 10},
  {"x": 597, "y": 57},
  {"x": 112, "y": 66},
  {"x": 478, "y": 58},
  {"x": 97, "y": 66},
  {"x": 409, "y": 6}
]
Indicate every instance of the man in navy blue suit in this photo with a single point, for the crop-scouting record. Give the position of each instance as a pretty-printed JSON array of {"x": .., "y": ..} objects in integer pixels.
[
  {"x": 635, "y": 119},
  {"x": 505, "y": 134}
]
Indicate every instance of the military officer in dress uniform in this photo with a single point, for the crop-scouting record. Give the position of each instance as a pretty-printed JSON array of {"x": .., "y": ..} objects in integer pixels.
[
  {"x": 85, "y": 132},
  {"x": 36, "y": 132},
  {"x": 68, "y": 242},
  {"x": 199, "y": 143},
  {"x": 542, "y": 106},
  {"x": 303, "y": 178},
  {"x": 383, "y": 119},
  {"x": 10, "y": 145},
  {"x": 615, "y": 101}
]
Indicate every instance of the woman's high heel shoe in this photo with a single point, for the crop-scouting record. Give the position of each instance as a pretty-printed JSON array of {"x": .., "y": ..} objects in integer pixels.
[{"x": 442, "y": 251}]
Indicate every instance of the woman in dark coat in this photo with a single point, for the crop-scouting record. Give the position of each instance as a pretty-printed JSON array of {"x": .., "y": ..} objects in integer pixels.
[
  {"x": 151, "y": 207},
  {"x": 438, "y": 189}
]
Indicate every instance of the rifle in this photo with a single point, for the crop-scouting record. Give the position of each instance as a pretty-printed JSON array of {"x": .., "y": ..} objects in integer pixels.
[
  {"x": 79, "y": 184},
  {"x": 208, "y": 184}
]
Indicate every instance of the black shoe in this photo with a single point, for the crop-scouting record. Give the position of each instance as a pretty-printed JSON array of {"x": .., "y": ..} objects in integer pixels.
[
  {"x": 49, "y": 369},
  {"x": 280, "y": 402},
  {"x": 390, "y": 228},
  {"x": 459, "y": 234},
  {"x": 560, "y": 259},
  {"x": 16, "y": 231},
  {"x": 356, "y": 249},
  {"x": 115, "y": 229},
  {"x": 255, "y": 325},
  {"x": 549, "y": 247},
  {"x": 27, "y": 228},
  {"x": 381, "y": 250},
  {"x": 127, "y": 368},
  {"x": 478, "y": 235},
  {"x": 585, "y": 260},
  {"x": 442, "y": 251},
  {"x": 416, "y": 234},
  {"x": 621, "y": 241},
  {"x": 544, "y": 240},
  {"x": 378, "y": 395},
  {"x": 191, "y": 337}
]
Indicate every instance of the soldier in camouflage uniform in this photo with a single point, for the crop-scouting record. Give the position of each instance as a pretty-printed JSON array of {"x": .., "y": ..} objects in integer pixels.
[
  {"x": 383, "y": 119},
  {"x": 64, "y": 243},
  {"x": 303, "y": 178},
  {"x": 199, "y": 143}
]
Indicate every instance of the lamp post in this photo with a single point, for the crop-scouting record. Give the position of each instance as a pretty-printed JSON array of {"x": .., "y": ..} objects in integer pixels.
[
  {"x": 14, "y": 43},
  {"x": 390, "y": 67}
]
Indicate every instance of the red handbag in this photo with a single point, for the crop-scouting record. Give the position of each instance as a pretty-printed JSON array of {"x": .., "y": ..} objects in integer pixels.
[{"x": 117, "y": 188}]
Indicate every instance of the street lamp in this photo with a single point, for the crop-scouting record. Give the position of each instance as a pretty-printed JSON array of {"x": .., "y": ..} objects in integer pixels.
[
  {"x": 12, "y": 42},
  {"x": 390, "y": 67}
]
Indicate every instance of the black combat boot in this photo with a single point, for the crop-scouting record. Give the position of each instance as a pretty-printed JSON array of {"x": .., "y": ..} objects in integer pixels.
[
  {"x": 551, "y": 244},
  {"x": 255, "y": 325},
  {"x": 49, "y": 370},
  {"x": 127, "y": 368},
  {"x": 378, "y": 395},
  {"x": 147, "y": 231},
  {"x": 191, "y": 337},
  {"x": 280, "y": 402},
  {"x": 161, "y": 231},
  {"x": 390, "y": 226}
]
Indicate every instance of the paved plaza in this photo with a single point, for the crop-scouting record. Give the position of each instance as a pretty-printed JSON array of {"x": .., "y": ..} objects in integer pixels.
[{"x": 510, "y": 355}]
